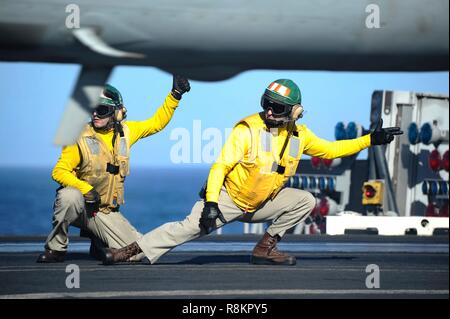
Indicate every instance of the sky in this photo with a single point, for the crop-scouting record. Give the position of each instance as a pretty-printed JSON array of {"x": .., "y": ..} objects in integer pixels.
[{"x": 33, "y": 97}]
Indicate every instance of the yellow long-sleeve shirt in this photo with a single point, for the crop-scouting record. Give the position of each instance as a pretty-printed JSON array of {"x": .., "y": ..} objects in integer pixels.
[
  {"x": 70, "y": 155},
  {"x": 237, "y": 148}
]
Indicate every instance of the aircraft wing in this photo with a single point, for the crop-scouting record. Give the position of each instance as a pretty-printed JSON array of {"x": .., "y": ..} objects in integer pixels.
[{"x": 215, "y": 40}]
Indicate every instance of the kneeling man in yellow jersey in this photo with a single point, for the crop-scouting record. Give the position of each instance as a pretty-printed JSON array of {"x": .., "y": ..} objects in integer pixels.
[
  {"x": 247, "y": 181},
  {"x": 92, "y": 174}
]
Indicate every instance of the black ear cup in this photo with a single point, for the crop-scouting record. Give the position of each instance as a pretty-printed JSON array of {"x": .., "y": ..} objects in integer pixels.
[{"x": 297, "y": 112}]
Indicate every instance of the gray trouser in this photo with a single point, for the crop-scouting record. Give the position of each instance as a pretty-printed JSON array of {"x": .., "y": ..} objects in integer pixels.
[
  {"x": 290, "y": 207},
  {"x": 113, "y": 228}
]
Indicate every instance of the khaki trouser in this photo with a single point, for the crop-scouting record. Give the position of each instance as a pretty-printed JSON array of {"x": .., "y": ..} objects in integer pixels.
[
  {"x": 290, "y": 207},
  {"x": 113, "y": 229}
]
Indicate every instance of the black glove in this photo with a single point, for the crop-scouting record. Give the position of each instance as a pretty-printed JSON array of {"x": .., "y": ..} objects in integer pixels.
[
  {"x": 180, "y": 86},
  {"x": 383, "y": 135},
  {"x": 210, "y": 213},
  {"x": 92, "y": 202}
]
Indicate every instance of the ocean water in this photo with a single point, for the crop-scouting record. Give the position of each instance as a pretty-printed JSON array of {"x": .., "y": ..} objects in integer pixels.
[{"x": 153, "y": 197}]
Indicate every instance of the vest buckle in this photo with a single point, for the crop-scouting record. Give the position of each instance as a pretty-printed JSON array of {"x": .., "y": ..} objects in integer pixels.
[
  {"x": 280, "y": 169},
  {"x": 112, "y": 169}
]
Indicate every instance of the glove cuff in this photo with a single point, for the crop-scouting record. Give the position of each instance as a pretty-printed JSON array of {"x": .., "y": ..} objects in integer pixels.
[
  {"x": 92, "y": 196},
  {"x": 176, "y": 94},
  {"x": 376, "y": 139},
  {"x": 212, "y": 204}
]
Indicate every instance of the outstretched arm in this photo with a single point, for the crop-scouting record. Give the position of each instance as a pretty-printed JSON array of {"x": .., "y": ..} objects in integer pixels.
[{"x": 315, "y": 146}]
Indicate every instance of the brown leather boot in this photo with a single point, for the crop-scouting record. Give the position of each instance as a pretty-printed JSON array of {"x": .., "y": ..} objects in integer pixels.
[
  {"x": 123, "y": 254},
  {"x": 51, "y": 256},
  {"x": 266, "y": 252}
]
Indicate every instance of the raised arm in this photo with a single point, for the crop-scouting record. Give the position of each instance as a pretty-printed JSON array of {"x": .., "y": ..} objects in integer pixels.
[
  {"x": 159, "y": 120},
  {"x": 154, "y": 124}
]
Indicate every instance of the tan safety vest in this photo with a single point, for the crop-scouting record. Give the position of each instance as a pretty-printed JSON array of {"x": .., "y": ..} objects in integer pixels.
[
  {"x": 255, "y": 179},
  {"x": 103, "y": 170}
]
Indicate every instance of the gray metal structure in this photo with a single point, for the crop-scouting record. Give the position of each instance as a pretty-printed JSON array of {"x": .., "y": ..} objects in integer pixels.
[
  {"x": 407, "y": 164},
  {"x": 348, "y": 178}
]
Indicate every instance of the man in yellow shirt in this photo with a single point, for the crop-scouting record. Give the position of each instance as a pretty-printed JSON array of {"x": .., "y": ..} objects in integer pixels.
[
  {"x": 92, "y": 173},
  {"x": 246, "y": 183}
]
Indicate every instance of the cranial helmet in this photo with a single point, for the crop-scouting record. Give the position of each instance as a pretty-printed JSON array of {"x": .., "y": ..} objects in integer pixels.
[
  {"x": 111, "y": 104},
  {"x": 283, "y": 97}
]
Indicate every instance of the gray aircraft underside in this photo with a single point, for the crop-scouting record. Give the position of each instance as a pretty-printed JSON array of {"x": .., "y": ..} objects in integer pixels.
[{"x": 215, "y": 40}]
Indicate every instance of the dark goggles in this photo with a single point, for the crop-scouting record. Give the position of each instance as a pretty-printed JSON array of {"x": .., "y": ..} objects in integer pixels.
[
  {"x": 277, "y": 109},
  {"x": 104, "y": 111}
]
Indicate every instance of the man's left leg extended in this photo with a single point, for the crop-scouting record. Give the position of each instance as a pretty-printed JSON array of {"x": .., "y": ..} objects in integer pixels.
[{"x": 161, "y": 240}]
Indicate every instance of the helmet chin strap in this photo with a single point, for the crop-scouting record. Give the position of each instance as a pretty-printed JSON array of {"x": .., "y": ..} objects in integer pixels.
[{"x": 117, "y": 129}]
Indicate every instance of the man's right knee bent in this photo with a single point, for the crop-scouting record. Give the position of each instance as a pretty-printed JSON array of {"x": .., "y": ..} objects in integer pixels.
[
  {"x": 309, "y": 202},
  {"x": 70, "y": 197}
]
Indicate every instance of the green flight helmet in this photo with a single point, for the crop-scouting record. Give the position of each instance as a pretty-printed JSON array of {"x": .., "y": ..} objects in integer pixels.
[
  {"x": 111, "y": 96},
  {"x": 283, "y": 91},
  {"x": 112, "y": 99}
]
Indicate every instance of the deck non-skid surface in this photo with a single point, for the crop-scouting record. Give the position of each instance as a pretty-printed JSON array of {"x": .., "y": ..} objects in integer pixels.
[{"x": 415, "y": 268}]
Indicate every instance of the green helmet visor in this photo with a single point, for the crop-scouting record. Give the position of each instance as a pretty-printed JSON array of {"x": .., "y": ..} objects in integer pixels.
[{"x": 104, "y": 111}]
